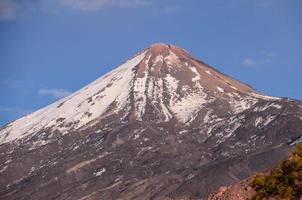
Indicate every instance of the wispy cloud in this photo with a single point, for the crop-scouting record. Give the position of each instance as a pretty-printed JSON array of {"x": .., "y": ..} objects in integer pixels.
[
  {"x": 14, "y": 111},
  {"x": 8, "y": 10},
  {"x": 264, "y": 58},
  {"x": 248, "y": 62},
  {"x": 94, "y": 5},
  {"x": 54, "y": 93},
  {"x": 254, "y": 3},
  {"x": 12, "y": 9}
]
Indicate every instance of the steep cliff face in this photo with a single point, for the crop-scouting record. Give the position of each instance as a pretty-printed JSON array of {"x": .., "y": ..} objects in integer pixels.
[{"x": 163, "y": 124}]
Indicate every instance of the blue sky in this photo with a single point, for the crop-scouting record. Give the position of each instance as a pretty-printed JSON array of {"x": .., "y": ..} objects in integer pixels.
[{"x": 50, "y": 48}]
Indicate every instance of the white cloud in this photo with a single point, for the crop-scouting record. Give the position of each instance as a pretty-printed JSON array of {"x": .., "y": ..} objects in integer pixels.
[
  {"x": 254, "y": 3},
  {"x": 264, "y": 58},
  {"x": 14, "y": 9},
  {"x": 248, "y": 62},
  {"x": 94, "y": 5},
  {"x": 55, "y": 93}
]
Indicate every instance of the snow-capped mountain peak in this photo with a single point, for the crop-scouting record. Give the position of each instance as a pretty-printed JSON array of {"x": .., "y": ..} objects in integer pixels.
[
  {"x": 159, "y": 126},
  {"x": 163, "y": 80}
]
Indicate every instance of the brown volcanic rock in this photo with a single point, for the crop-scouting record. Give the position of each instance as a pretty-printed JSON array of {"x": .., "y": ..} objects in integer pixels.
[
  {"x": 163, "y": 125},
  {"x": 240, "y": 191}
]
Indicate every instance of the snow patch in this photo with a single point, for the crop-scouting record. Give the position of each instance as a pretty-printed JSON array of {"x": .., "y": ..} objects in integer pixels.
[
  {"x": 296, "y": 141},
  {"x": 171, "y": 58},
  {"x": 208, "y": 72},
  {"x": 197, "y": 77},
  {"x": 267, "y": 106},
  {"x": 158, "y": 99},
  {"x": 100, "y": 172},
  {"x": 3, "y": 169},
  {"x": 144, "y": 150},
  {"x": 230, "y": 131},
  {"x": 158, "y": 59},
  {"x": 269, "y": 120},
  {"x": 183, "y": 132},
  {"x": 137, "y": 133},
  {"x": 139, "y": 88},
  {"x": 220, "y": 89},
  {"x": 234, "y": 88},
  {"x": 265, "y": 97},
  {"x": 242, "y": 103},
  {"x": 188, "y": 106},
  {"x": 172, "y": 86},
  {"x": 258, "y": 121}
]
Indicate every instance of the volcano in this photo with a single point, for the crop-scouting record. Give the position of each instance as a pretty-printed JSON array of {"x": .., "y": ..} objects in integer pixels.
[{"x": 163, "y": 125}]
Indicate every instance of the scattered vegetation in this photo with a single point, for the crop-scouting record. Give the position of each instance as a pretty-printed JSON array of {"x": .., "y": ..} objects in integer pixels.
[{"x": 284, "y": 182}]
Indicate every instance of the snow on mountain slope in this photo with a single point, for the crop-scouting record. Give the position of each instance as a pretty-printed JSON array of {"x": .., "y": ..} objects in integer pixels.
[
  {"x": 79, "y": 108},
  {"x": 163, "y": 78}
]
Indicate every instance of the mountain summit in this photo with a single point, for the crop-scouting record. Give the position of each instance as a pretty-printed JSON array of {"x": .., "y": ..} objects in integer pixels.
[
  {"x": 161, "y": 83},
  {"x": 161, "y": 125}
]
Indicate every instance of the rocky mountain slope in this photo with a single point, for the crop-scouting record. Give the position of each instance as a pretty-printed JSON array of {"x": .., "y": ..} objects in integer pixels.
[
  {"x": 162, "y": 125},
  {"x": 283, "y": 181}
]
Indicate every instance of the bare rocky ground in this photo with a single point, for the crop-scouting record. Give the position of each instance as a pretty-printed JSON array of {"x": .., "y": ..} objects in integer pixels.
[{"x": 239, "y": 191}]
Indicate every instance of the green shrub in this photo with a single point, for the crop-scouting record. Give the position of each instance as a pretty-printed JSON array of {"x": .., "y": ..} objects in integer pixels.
[{"x": 283, "y": 182}]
